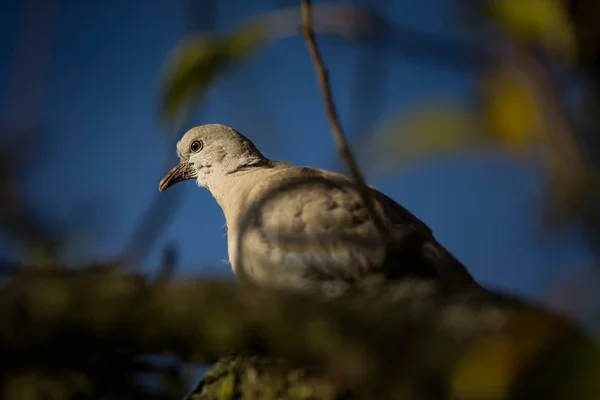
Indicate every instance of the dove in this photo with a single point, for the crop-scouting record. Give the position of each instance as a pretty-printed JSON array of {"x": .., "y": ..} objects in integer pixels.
[{"x": 304, "y": 228}]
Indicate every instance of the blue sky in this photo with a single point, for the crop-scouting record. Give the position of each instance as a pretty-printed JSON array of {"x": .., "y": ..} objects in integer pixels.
[{"x": 102, "y": 144}]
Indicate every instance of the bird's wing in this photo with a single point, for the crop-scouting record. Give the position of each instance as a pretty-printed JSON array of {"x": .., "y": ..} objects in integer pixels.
[
  {"x": 393, "y": 214},
  {"x": 397, "y": 214},
  {"x": 307, "y": 222},
  {"x": 423, "y": 250}
]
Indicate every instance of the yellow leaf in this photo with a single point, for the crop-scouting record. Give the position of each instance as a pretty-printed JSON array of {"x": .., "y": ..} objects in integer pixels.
[
  {"x": 438, "y": 130},
  {"x": 537, "y": 21},
  {"x": 492, "y": 365},
  {"x": 431, "y": 129},
  {"x": 511, "y": 113}
]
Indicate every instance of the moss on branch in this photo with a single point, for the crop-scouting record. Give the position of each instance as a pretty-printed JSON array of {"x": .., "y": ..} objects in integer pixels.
[{"x": 411, "y": 337}]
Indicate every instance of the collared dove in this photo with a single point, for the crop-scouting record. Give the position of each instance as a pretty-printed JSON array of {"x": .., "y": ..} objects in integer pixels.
[{"x": 301, "y": 227}]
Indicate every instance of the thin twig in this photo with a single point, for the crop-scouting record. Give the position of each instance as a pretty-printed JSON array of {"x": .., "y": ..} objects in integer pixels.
[{"x": 334, "y": 120}]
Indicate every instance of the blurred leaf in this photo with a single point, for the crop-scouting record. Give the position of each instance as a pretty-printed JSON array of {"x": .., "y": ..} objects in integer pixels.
[
  {"x": 201, "y": 58},
  {"x": 510, "y": 111},
  {"x": 487, "y": 371},
  {"x": 198, "y": 61},
  {"x": 431, "y": 129},
  {"x": 490, "y": 368},
  {"x": 524, "y": 112},
  {"x": 537, "y": 21}
]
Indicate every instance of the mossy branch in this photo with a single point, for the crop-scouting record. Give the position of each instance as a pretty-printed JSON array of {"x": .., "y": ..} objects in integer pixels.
[{"x": 374, "y": 339}]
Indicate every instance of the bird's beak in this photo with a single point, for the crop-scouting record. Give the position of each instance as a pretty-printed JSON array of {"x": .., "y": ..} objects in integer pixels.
[{"x": 181, "y": 172}]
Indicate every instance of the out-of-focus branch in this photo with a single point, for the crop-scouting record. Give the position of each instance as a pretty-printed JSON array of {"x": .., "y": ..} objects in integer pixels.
[
  {"x": 373, "y": 341},
  {"x": 334, "y": 120},
  {"x": 572, "y": 176}
]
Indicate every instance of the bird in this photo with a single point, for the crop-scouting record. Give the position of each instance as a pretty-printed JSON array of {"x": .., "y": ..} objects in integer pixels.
[{"x": 304, "y": 228}]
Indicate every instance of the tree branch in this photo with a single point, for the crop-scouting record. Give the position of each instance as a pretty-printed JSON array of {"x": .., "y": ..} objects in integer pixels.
[
  {"x": 334, "y": 120},
  {"x": 374, "y": 341}
]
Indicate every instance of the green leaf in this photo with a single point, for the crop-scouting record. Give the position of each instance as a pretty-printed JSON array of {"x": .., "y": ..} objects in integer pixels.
[
  {"x": 197, "y": 62},
  {"x": 537, "y": 21},
  {"x": 200, "y": 59}
]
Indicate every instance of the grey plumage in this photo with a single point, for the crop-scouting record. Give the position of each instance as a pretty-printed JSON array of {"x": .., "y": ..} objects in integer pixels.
[{"x": 301, "y": 227}]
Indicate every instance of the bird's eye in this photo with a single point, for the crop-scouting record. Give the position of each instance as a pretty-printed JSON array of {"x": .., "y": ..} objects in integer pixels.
[{"x": 196, "y": 146}]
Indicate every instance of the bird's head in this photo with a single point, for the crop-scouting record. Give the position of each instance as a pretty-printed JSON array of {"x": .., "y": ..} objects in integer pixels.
[{"x": 208, "y": 152}]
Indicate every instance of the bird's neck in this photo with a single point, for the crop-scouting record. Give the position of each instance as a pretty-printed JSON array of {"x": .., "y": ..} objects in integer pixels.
[
  {"x": 231, "y": 190},
  {"x": 249, "y": 164},
  {"x": 228, "y": 186}
]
